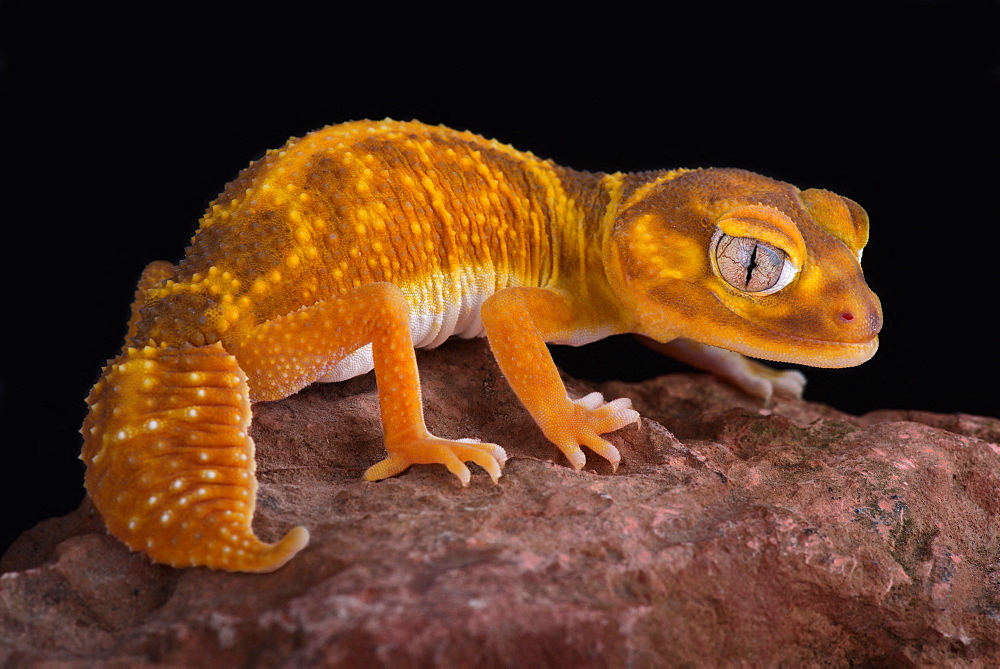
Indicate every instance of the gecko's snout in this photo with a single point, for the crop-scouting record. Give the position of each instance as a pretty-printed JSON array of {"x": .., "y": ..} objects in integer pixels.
[{"x": 859, "y": 322}]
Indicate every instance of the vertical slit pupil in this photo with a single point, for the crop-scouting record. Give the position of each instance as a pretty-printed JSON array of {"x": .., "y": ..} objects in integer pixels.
[{"x": 752, "y": 265}]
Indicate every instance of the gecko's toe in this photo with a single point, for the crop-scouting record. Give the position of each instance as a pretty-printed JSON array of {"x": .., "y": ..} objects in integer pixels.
[{"x": 452, "y": 453}]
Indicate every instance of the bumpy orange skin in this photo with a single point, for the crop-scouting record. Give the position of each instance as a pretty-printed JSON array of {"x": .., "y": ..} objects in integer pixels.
[{"x": 397, "y": 235}]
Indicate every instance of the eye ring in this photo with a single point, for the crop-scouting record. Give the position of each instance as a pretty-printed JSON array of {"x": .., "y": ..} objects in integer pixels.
[{"x": 750, "y": 265}]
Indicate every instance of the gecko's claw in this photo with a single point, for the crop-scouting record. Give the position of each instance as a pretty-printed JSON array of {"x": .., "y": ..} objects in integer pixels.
[
  {"x": 452, "y": 453},
  {"x": 590, "y": 418}
]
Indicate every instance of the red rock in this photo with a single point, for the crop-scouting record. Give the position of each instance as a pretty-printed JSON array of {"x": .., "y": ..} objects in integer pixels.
[{"x": 792, "y": 535}]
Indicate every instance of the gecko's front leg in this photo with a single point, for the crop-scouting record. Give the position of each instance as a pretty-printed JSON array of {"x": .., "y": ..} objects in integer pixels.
[{"x": 518, "y": 322}]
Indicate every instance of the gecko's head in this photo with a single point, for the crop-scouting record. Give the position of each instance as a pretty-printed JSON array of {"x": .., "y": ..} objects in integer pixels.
[{"x": 746, "y": 263}]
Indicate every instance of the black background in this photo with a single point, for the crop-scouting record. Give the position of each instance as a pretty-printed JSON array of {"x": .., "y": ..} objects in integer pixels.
[{"x": 119, "y": 125}]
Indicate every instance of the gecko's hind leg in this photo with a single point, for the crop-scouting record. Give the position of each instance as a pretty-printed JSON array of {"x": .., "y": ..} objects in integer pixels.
[
  {"x": 154, "y": 274},
  {"x": 287, "y": 353},
  {"x": 170, "y": 466}
]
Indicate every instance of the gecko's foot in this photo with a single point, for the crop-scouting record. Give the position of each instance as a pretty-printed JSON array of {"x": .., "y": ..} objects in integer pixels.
[
  {"x": 753, "y": 378},
  {"x": 761, "y": 381},
  {"x": 591, "y": 418},
  {"x": 452, "y": 453}
]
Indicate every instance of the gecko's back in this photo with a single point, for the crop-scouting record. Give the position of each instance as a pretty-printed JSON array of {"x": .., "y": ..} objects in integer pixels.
[{"x": 447, "y": 216}]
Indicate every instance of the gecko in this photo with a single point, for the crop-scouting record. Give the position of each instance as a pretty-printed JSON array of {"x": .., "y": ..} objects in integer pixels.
[{"x": 347, "y": 248}]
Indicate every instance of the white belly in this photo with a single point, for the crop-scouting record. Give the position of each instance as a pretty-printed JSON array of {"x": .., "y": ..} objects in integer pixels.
[{"x": 433, "y": 318}]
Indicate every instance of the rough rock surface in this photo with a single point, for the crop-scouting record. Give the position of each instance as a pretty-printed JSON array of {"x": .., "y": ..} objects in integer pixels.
[{"x": 732, "y": 533}]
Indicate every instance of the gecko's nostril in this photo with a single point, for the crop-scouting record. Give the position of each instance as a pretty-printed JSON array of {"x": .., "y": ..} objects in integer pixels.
[{"x": 847, "y": 316}]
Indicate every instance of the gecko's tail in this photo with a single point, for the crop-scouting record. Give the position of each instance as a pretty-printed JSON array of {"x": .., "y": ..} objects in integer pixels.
[{"x": 170, "y": 464}]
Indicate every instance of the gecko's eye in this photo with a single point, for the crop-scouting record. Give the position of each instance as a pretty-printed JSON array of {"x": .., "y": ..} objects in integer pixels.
[{"x": 751, "y": 265}]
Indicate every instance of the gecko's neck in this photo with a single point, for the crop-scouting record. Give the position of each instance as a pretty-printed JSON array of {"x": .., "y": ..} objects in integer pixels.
[
  {"x": 585, "y": 229},
  {"x": 585, "y": 225}
]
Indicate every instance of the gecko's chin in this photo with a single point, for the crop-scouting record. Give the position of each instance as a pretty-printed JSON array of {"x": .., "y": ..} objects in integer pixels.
[{"x": 842, "y": 354}]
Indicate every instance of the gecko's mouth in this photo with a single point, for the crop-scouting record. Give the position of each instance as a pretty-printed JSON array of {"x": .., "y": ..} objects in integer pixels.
[
  {"x": 778, "y": 346},
  {"x": 759, "y": 341},
  {"x": 783, "y": 347}
]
